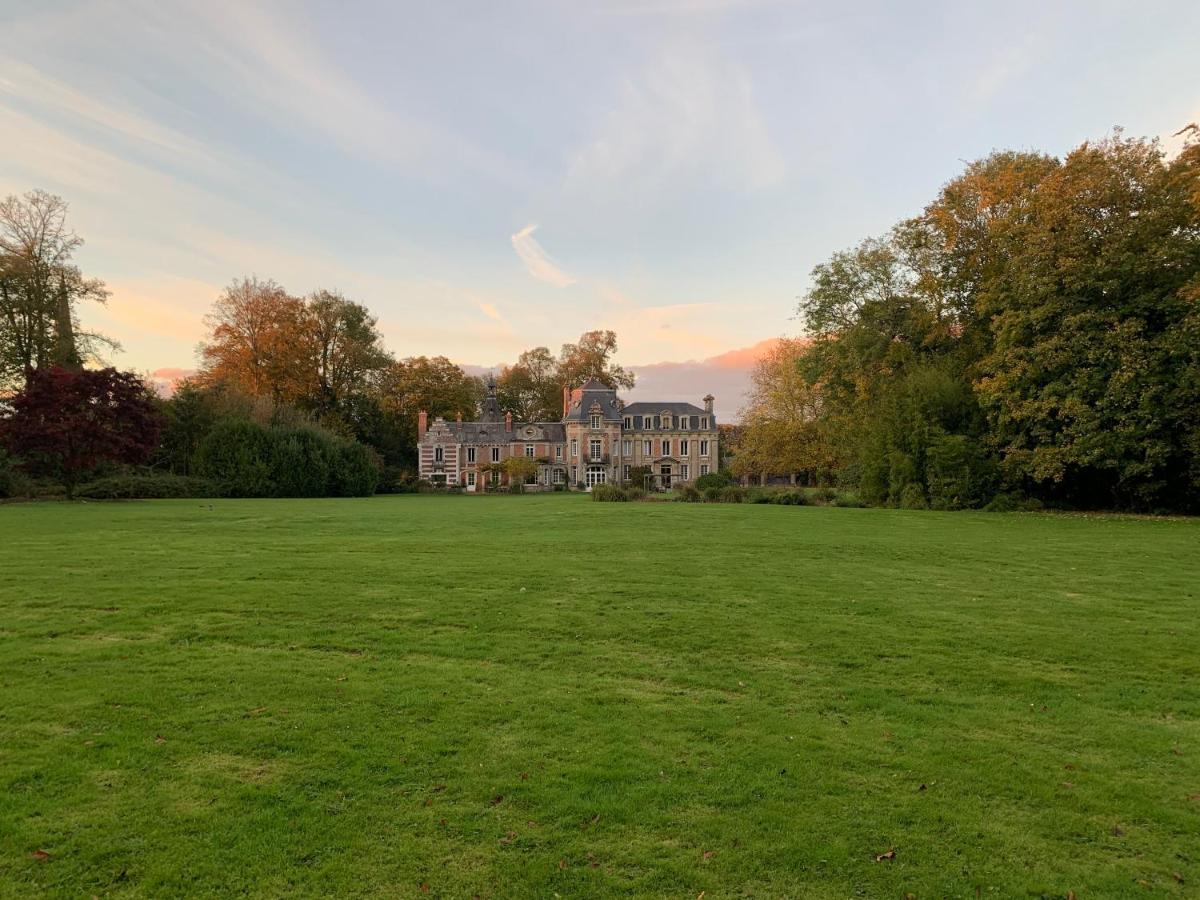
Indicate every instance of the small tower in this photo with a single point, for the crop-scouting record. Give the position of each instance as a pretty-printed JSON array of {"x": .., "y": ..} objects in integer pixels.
[{"x": 489, "y": 409}]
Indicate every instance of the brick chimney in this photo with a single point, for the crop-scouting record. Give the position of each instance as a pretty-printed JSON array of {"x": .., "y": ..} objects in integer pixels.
[
  {"x": 566, "y": 399},
  {"x": 422, "y": 424},
  {"x": 708, "y": 402},
  {"x": 508, "y": 421}
]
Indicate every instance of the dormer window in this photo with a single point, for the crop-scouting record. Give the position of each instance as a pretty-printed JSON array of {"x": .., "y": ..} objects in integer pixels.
[
  {"x": 666, "y": 421},
  {"x": 704, "y": 423},
  {"x": 595, "y": 421},
  {"x": 628, "y": 423}
]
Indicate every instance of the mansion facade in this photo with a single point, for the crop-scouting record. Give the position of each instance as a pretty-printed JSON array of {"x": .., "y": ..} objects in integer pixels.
[{"x": 599, "y": 440}]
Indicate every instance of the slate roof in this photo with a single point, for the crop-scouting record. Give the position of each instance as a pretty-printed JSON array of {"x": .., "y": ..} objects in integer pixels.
[
  {"x": 495, "y": 433},
  {"x": 676, "y": 409},
  {"x": 593, "y": 391}
]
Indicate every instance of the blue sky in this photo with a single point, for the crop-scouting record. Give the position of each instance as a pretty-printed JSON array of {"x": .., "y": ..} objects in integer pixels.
[{"x": 488, "y": 177}]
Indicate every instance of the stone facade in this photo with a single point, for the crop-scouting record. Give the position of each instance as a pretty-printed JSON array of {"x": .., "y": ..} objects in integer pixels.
[{"x": 598, "y": 440}]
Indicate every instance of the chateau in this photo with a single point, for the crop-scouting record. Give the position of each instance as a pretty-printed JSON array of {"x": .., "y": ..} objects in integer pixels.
[{"x": 598, "y": 440}]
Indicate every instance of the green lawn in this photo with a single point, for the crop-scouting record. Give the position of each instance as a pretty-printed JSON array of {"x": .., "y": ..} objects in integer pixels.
[{"x": 531, "y": 696}]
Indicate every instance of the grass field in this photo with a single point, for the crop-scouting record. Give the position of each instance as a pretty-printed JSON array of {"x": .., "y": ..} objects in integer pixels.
[{"x": 540, "y": 696}]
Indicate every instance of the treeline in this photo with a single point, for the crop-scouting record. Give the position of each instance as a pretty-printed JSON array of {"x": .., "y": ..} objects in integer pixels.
[
  {"x": 294, "y": 396},
  {"x": 1033, "y": 336}
]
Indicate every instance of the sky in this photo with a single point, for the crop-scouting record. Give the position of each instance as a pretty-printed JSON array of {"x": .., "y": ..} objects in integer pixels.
[{"x": 489, "y": 177}]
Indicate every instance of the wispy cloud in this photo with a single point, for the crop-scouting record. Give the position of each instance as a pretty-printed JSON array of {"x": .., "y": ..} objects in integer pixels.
[
  {"x": 491, "y": 312},
  {"x": 690, "y": 116},
  {"x": 537, "y": 262}
]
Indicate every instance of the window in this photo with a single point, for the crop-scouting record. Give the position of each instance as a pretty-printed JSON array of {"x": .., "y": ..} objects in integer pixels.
[
  {"x": 683, "y": 472},
  {"x": 703, "y": 469},
  {"x": 704, "y": 448},
  {"x": 470, "y": 454},
  {"x": 495, "y": 454},
  {"x": 495, "y": 478},
  {"x": 438, "y": 454},
  {"x": 704, "y": 423},
  {"x": 595, "y": 422},
  {"x": 559, "y": 476},
  {"x": 596, "y": 475},
  {"x": 616, "y": 449},
  {"x": 594, "y": 449},
  {"x": 646, "y": 451},
  {"x": 574, "y": 448},
  {"x": 683, "y": 447},
  {"x": 627, "y": 449},
  {"x": 471, "y": 479},
  {"x": 628, "y": 423},
  {"x": 637, "y": 422},
  {"x": 666, "y": 447},
  {"x": 529, "y": 451},
  {"x": 626, "y": 475},
  {"x": 657, "y": 422},
  {"x": 666, "y": 421},
  {"x": 558, "y": 452},
  {"x": 683, "y": 423},
  {"x": 575, "y": 474}
]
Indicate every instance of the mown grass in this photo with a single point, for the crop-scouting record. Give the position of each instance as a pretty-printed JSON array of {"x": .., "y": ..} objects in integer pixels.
[{"x": 530, "y": 696}]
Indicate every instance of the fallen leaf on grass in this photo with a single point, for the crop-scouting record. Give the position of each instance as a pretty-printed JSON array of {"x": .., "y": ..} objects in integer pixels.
[
  {"x": 509, "y": 837},
  {"x": 1177, "y": 877},
  {"x": 891, "y": 854},
  {"x": 438, "y": 788},
  {"x": 1118, "y": 831},
  {"x": 708, "y": 854},
  {"x": 159, "y": 739},
  {"x": 1069, "y": 785},
  {"x": 40, "y": 855},
  {"x": 562, "y": 865},
  {"x": 424, "y": 887},
  {"x": 497, "y": 800},
  {"x": 590, "y": 822},
  {"x": 1194, "y": 798},
  {"x": 524, "y": 776},
  {"x": 257, "y": 711}
]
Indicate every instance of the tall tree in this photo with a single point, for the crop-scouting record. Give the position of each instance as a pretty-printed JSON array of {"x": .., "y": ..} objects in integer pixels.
[
  {"x": 531, "y": 388},
  {"x": 257, "y": 341},
  {"x": 345, "y": 346},
  {"x": 591, "y": 358},
  {"x": 67, "y": 423},
  {"x": 435, "y": 385},
  {"x": 40, "y": 289}
]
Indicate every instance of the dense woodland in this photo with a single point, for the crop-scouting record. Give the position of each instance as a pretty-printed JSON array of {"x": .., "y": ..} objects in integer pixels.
[{"x": 1032, "y": 337}]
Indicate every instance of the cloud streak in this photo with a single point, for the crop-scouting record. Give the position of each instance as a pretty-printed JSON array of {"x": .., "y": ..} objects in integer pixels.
[{"x": 537, "y": 261}]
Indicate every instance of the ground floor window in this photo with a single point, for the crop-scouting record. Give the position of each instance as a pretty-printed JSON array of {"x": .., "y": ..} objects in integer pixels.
[
  {"x": 703, "y": 468},
  {"x": 559, "y": 476},
  {"x": 470, "y": 479},
  {"x": 625, "y": 474},
  {"x": 683, "y": 472},
  {"x": 596, "y": 475}
]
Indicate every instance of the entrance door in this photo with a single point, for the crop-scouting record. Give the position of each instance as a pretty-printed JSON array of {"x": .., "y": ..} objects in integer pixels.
[
  {"x": 665, "y": 472},
  {"x": 595, "y": 475}
]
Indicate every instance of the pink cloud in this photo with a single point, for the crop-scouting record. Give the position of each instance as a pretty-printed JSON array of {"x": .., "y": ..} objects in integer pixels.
[{"x": 164, "y": 381}]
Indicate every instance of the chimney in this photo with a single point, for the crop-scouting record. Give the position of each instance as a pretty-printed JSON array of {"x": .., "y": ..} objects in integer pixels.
[
  {"x": 508, "y": 421},
  {"x": 708, "y": 402},
  {"x": 566, "y": 399},
  {"x": 422, "y": 424}
]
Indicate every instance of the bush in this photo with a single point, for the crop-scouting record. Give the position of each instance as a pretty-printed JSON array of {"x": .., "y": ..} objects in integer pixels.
[
  {"x": 688, "y": 493},
  {"x": 718, "y": 479},
  {"x": 758, "y": 495},
  {"x": 790, "y": 497},
  {"x": 245, "y": 459},
  {"x": 823, "y": 494},
  {"x": 848, "y": 500},
  {"x": 635, "y": 493},
  {"x": 8, "y": 476},
  {"x": 151, "y": 486},
  {"x": 608, "y": 493},
  {"x": 733, "y": 493},
  {"x": 711, "y": 494},
  {"x": 912, "y": 497}
]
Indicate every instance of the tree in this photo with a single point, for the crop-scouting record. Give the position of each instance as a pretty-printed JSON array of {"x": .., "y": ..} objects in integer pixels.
[
  {"x": 257, "y": 342},
  {"x": 345, "y": 348},
  {"x": 65, "y": 423},
  {"x": 434, "y": 385},
  {"x": 531, "y": 388},
  {"x": 590, "y": 358},
  {"x": 520, "y": 469},
  {"x": 40, "y": 289}
]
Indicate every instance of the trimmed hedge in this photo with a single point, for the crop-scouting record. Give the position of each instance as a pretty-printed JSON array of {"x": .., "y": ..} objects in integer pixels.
[
  {"x": 157, "y": 486},
  {"x": 245, "y": 459}
]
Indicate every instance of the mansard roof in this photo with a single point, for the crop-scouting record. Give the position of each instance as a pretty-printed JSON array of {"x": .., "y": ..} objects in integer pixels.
[
  {"x": 495, "y": 432},
  {"x": 593, "y": 395},
  {"x": 653, "y": 408}
]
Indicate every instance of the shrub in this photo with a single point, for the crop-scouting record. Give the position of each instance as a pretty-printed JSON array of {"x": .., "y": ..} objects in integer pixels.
[
  {"x": 146, "y": 486},
  {"x": 354, "y": 470},
  {"x": 635, "y": 493},
  {"x": 8, "y": 476},
  {"x": 823, "y": 494},
  {"x": 718, "y": 479},
  {"x": 732, "y": 493},
  {"x": 608, "y": 493},
  {"x": 237, "y": 455},
  {"x": 688, "y": 493},
  {"x": 912, "y": 497},
  {"x": 790, "y": 497},
  {"x": 849, "y": 500},
  {"x": 712, "y": 494},
  {"x": 758, "y": 495}
]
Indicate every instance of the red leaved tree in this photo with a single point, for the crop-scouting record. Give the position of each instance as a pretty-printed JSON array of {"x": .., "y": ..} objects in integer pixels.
[{"x": 65, "y": 423}]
